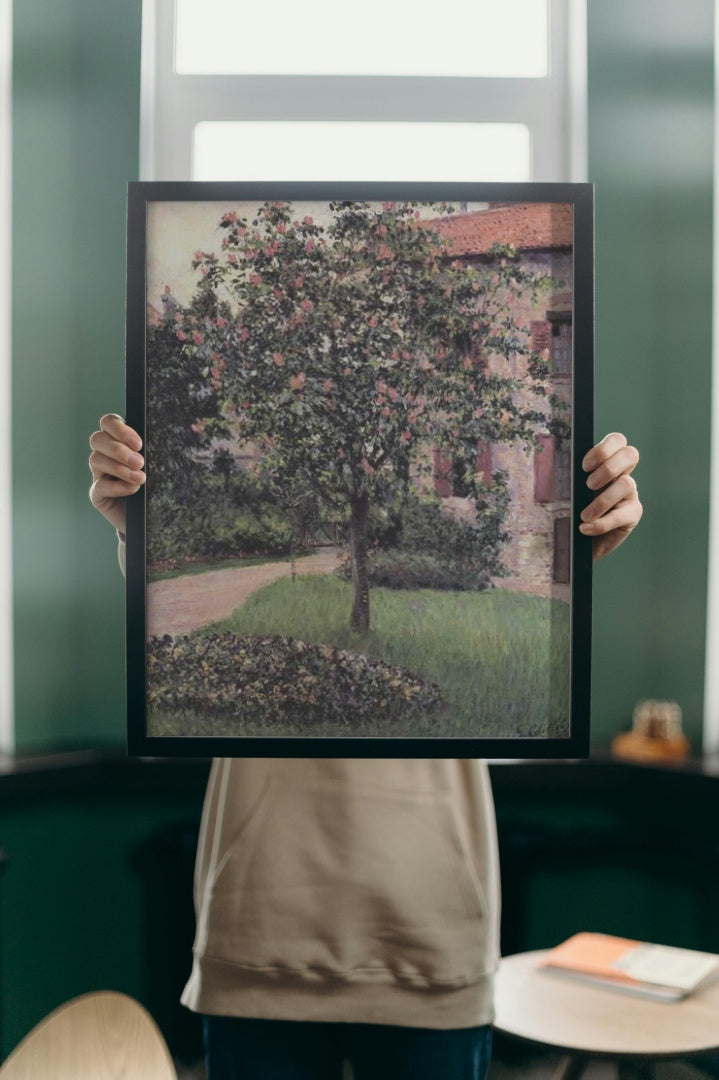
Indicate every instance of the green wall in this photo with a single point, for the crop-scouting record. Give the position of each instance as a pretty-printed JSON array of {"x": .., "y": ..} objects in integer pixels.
[
  {"x": 75, "y": 146},
  {"x": 650, "y": 156},
  {"x": 76, "y": 91}
]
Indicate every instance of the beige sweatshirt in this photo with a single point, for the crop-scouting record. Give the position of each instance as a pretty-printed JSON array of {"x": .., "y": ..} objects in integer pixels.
[{"x": 347, "y": 890}]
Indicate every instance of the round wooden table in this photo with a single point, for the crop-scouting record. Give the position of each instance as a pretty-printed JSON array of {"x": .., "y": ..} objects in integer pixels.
[{"x": 586, "y": 1022}]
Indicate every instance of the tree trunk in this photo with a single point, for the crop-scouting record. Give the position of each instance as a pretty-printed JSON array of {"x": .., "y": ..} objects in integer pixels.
[{"x": 359, "y": 619}]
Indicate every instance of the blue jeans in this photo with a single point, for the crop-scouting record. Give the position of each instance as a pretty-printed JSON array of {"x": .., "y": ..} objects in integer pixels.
[{"x": 239, "y": 1049}]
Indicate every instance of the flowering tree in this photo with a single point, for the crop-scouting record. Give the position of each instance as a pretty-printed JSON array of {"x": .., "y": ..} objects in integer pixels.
[{"x": 347, "y": 353}]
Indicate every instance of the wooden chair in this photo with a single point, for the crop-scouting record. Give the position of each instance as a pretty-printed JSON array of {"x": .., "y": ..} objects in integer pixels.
[{"x": 99, "y": 1036}]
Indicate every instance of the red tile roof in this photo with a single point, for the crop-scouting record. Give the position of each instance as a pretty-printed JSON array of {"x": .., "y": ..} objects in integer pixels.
[{"x": 526, "y": 226}]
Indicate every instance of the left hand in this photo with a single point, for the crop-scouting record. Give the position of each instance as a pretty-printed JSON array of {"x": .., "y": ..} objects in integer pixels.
[{"x": 616, "y": 509}]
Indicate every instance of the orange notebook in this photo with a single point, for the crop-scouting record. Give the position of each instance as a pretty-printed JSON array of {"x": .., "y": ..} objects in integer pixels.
[{"x": 662, "y": 972}]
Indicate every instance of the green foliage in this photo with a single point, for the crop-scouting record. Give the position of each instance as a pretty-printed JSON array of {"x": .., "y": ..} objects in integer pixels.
[
  {"x": 350, "y": 347},
  {"x": 399, "y": 569},
  {"x": 216, "y": 530},
  {"x": 268, "y": 680},
  {"x": 182, "y": 403}
]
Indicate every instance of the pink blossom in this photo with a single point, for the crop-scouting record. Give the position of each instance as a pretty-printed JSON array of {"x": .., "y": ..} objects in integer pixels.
[
  {"x": 327, "y": 385},
  {"x": 306, "y": 305},
  {"x": 346, "y": 371},
  {"x": 220, "y": 322},
  {"x": 373, "y": 321},
  {"x": 178, "y": 318},
  {"x": 181, "y": 335},
  {"x": 278, "y": 359},
  {"x": 215, "y": 372},
  {"x": 384, "y": 252},
  {"x": 386, "y": 412},
  {"x": 382, "y": 230},
  {"x": 405, "y": 436},
  {"x": 278, "y": 293},
  {"x": 232, "y": 259},
  {"x": 366, "y": 467},
  {"x": 298, "y": 381},
  {"x": 392, "y": 393},
  {"x": 281, "y": 227},
  {"x": 255, "y": 279},
  {"x": 230, "y": 218},
  {"x": 309, "y": 246},
  {"x": 307, "y": 221},
  {"x": 197, "y": 337},
  {"x": 476, "y": 286},
  {"x": 244, "y": 333},
  {"x": 299, "y": 281}
]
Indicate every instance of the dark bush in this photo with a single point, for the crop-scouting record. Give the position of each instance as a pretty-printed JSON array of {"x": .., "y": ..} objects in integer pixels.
[
  {"x": 272, "y": 679},
  {"x": 398, "y": 569},
  {"x": 178, "y": 531}
]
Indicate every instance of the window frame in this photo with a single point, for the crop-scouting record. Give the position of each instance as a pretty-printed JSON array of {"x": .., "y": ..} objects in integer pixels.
[{"x": 553, "y": 108}]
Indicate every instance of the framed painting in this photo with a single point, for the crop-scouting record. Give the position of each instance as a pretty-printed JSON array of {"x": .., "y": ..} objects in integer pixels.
[{"x": 364, "y": 408}]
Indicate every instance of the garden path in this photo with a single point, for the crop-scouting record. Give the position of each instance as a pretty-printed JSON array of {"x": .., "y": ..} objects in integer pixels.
[{"x": 181, "y": 604}]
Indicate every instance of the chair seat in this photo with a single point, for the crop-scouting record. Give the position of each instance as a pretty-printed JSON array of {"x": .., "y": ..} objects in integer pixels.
[{"x": 99, "y": 1036}]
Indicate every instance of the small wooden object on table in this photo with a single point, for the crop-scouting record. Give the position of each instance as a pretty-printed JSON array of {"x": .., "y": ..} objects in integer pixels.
[{"x": 585, "y": 1022}]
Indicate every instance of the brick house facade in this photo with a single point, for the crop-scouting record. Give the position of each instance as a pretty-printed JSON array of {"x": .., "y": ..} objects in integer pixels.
[{"x": 539, "y": 483}]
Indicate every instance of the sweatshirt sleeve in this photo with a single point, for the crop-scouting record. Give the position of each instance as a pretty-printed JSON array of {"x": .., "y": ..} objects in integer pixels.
[{"x": 121, "y": 550}]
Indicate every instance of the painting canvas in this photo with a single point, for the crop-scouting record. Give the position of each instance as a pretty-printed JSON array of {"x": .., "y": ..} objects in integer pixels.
[{"x": 363, "y": 410}]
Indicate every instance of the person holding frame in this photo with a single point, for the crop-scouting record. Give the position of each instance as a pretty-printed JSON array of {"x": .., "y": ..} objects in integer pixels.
[{"x": 349, "y": 908}]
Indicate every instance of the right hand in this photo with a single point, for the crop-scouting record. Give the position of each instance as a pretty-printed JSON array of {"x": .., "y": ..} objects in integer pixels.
[{"x": 116, "y": 467}]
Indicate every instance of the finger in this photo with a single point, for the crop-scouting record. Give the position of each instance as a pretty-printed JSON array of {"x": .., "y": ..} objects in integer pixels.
[
  {"x": 623, "y": 461},
  {"x": 622, "y": 489},
  {"x": 116, "y": 451},
  {"x": 625, "y": 516},
  {"x": 116, "y": 427},
  {"x": 603, "y": 450},
  {"x": 106, "y": 490},
  {"x": 101, "y": 465}
]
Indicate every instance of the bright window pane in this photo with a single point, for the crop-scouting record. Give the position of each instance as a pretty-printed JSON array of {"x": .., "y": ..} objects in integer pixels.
[
  {"x": 279, "y": 150},
  {"x": 491, "y": 38}
]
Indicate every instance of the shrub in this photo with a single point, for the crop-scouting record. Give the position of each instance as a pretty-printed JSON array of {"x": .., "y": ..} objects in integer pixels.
[
  {"x": 270, "y": 678},
  {"x": 398, "y": 569},
  {"x": 178, "y": 531}
]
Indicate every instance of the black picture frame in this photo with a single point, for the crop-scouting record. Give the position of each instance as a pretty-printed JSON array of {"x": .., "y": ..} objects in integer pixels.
[{"x": 559, "y": 222}]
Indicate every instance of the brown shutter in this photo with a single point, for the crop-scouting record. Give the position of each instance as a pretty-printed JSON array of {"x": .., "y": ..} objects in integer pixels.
[
  {"x": 544, "y": 486},
  {"x": 442, "y": 474},
  {"x": 483, "y": 463},
  {"x": 541, "y": 335},
  {"x": 561, "y": 550}
]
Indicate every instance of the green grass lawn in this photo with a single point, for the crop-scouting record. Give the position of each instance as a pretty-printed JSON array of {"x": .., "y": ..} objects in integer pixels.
[{"x": 500, "y": 658}]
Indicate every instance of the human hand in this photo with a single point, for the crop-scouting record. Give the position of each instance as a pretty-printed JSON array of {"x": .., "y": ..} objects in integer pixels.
[
  {"x": 616, "y": 509},
  {"x": 116, "y": 468}
]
